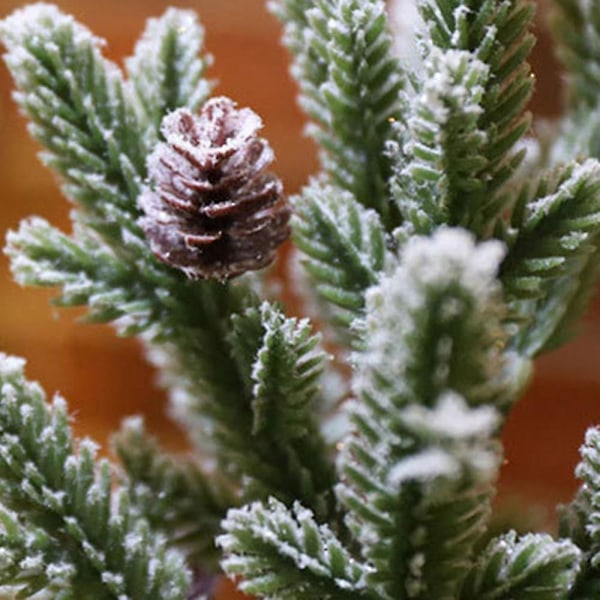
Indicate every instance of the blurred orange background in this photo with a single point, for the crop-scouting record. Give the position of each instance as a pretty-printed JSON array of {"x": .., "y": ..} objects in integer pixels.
[{"x": 105, "y": 378}]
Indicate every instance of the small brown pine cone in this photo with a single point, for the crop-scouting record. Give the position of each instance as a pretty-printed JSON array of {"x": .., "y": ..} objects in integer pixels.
[{"x": 212, "y": 210}]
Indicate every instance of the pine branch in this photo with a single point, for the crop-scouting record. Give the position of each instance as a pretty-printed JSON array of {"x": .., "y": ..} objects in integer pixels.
[
  {"x": 192, "y": 339},
  {"x": 418, "y": 501},
  {"x": 496, "y": 33},
  {"x": 79, "y": 112},
  {"x": 581, "y": 518},
  {"x": 186, "y": 321},
  {"x": 87, "y": 272},
  {"x": 576, "y": 28},
  {"x": 425, "y": 451},
  {"x": 31, "y": 562},
  {"x": 351, "y": 89},
  {"x": 288, "y": 364},
  {"x": 173, "y": 494},
  {"x": 294, "y": 15},
  {"x": 550, "y": 270},
  {"x": 66, "y": 493},
  {"x": 443, "y": 304},
  {"x": 577, "y": 135},
  {"x": 281, "y": 361},
  {"x": 529, "y": 568},
  {"x": 283, "y": 554},
  {"x": 167, "y": 69},
  {"x": 186, "y": 325},
  {"x": 344, "y": 248},
  {"x": 445, "y": 151}
]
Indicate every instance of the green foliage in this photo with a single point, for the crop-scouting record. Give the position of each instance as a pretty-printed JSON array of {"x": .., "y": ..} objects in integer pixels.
[
  {"x": 445, "y": 152},
  {"x": 350, "y": 87},
  {"x": 187, "y": 326},
  {"x": 576, "y": 25},
  {"x": 580, "y": 520},
  {"x": 288, "y": 364},
  {"x": 282, "y": 361},
  {"x": 167, "y": 69},
  {"x": 418, "y": 468},
  {"x": 534, "y": 567},
  {"x": 344, "y": 248},
  {"x": 72, "y": 531},
  {"x": 576, "y": 28},
  {"x": 495, "y": 34},
  {"x": 233, "y": 371},
  {"x": 78, "y": 110},
  {"x": 87, "y": 272},
  {"x": 284, "y": 554},
  {"x": 173, "y": 493},
  {"x": 183, "y": 324},
  {"x": 440, "y": 353},
  {"x": 444, "y": 304},
  {"x": 552, "y": 262},
  {"x": 31, "y": 561}
]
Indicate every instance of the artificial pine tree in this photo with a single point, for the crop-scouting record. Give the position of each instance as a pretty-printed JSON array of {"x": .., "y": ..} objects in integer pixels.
[{"x": 445, "y": 251}]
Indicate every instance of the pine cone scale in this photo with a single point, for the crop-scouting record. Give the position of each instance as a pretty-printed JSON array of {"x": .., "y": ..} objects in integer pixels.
[
  {"x": 192, "y": 239},
  {"x": 213, "y": 210}
]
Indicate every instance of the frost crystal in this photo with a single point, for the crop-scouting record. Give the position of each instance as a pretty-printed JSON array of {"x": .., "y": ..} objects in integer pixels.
[
  {"x": 407, "y": 25},
  {"x": 452, "y": 255}
]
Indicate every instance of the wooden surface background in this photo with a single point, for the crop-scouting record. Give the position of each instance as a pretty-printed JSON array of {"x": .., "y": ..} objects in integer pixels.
[{"x": 105, "y": 378}]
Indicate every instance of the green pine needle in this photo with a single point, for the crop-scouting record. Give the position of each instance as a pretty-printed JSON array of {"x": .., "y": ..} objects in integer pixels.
[
  {"x": 79, "y": 111},
  {"x": 581, "y": 519},
  {"x": 282, "y": 362},
  {"x": 534, "y": 567},
  {"x": 59, "y": 487},
  {"x": 344, "y": 248},
  {"x": 173, "y": 494},
  {"x": 283, "y": 554},
  {"x": 550, "y": 269},
  {"x": 167, "y": 69},
  {"x": 495, "y": 33},
  {"x": 440, "y": 165},
  {"x": 424, "y": 451},
  {"x": 350, "y": 85},
  {"x": 576, "y": 27}
]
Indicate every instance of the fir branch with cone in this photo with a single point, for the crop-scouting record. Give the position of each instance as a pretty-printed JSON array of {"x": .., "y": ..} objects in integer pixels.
[{"x": 443, "y": 249}]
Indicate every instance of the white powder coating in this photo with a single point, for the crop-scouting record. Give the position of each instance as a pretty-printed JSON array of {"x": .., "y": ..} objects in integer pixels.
[
  {"x": 115, "y": 580},
  {"x": 454, "y": 88},
  {"x": 429, "y": 266},
  {"x": 407, "y": 25},
  {"x": 461, "y": 442},
  {"x": 426, "y": 466},
  {"x": 7, "y": 558},
  {"x": 89, "y": 446},
  {"x": 32, "y": 565},
  {"x": 27, "y": 412},
  {"x": 33, "y": 20},
  {"x": 587, "y": 171},
  {"x": 452, "y": 418},
  {"x": 291, "y": 533},
  {"x": 150, "y": 72},
  {"x": 133, "y": 425},
  {"x": 10, "y": 366},
  {"x": 450, "y": 255},
  {"x": 60, "y": 572},
  {"x": 134, "y": 543}
]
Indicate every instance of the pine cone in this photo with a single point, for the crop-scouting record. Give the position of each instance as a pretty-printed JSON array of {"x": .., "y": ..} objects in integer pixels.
[{"x": 212, "y": 210}]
